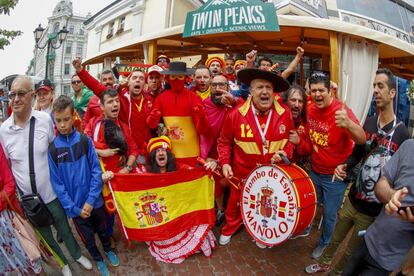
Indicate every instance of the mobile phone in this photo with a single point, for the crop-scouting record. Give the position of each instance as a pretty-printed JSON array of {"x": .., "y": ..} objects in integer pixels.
[{"x": 405, "y": 207}]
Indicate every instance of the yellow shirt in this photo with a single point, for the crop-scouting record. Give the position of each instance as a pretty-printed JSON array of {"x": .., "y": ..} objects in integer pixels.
[{"x": 204, "y": 95}]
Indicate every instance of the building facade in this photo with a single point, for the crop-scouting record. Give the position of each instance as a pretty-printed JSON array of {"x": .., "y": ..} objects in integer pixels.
[{"x": 60, "y": 60}]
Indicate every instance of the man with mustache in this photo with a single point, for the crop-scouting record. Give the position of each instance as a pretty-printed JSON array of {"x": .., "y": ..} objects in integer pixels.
[
  {"x": 384, "y": 134},
  {"x": 134, "y": 105},
  {"x": 217, "y": 107},
  {"x": 256, "y": 132},
  {"x": 295, "y": 99}
]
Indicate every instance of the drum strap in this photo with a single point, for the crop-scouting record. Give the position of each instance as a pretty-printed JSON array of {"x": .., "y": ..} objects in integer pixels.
[{"x": 262, "y": 132}]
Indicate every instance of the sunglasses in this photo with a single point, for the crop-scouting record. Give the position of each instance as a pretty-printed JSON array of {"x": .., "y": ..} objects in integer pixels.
[
  {"x": 162, "y": 60},
  {"x": 320, "y": 74},
  {"x": 76, "y": 82}
]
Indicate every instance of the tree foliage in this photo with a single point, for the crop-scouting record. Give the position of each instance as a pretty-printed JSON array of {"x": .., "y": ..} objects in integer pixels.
[{"x": 5, "y": 35}]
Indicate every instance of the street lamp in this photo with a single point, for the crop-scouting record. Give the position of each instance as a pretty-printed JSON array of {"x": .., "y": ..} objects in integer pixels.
[{"x": 52, "y": 42}]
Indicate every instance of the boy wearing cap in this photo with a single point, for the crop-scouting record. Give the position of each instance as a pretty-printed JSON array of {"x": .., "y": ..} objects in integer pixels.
[{"x": 80, "y": 192}]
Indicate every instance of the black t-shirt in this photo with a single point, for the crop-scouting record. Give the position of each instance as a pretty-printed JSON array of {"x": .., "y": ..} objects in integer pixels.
[{"x": 372, "y": 156}]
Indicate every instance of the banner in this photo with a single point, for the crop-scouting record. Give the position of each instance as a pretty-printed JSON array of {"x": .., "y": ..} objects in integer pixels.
[{"x": 155, "y": 207}]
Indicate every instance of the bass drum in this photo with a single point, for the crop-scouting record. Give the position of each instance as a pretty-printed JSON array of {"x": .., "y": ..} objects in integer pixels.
[{"x": 277, "y": 202}]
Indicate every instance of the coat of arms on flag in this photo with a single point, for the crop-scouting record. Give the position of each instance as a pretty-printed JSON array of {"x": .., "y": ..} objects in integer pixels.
[{"x": 158, "y": 206}]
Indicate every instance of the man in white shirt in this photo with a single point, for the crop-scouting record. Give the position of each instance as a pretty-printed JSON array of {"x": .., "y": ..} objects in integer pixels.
[{"x": 14, "y": 137}]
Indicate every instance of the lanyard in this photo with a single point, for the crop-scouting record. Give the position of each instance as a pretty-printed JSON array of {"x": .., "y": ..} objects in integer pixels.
[
  {"x": 384, "y": 134},
  {"x": 139, "y": 107},
  {"x": 262, "y": 132}
]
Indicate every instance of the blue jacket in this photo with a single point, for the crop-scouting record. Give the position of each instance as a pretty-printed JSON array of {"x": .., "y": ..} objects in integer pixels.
[{"x": 76, "y": 178}]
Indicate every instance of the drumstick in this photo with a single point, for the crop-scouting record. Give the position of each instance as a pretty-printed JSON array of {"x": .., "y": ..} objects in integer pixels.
[{"x": 218, "y": 173}]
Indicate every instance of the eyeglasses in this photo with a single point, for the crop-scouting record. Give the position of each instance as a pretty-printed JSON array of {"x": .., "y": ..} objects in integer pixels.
[
  {"x": 76, "y": 82},
  {"x": 162, "y": 60},
  {"x": 20, "y": 94},
  {"x": 173, "y": 77},
  {"x": 219, "y": 84}
]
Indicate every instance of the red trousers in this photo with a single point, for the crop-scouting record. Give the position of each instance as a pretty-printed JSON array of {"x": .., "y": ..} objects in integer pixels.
[{"x": 233, "y": 215}]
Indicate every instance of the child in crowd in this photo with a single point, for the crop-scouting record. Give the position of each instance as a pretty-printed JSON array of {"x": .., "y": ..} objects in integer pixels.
[{"x": 76, "y": 174}]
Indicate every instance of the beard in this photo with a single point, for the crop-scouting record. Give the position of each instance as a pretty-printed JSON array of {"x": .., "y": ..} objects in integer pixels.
[{"x": 216, "y": 99}]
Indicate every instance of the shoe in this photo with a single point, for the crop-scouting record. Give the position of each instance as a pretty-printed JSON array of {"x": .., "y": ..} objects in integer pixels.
[
  {"x": 315, "y": 268},
  {"x": 103, "y": 269},
  {"x": 219, "y": 217},
  {"x": 224, "y": 239},
  {"x": 302, "y": 235},
  {"x": 66, "y": 271},
  {"x": 83, "y": 261},
  {"x": 260, "y": 245},
  {"x": 317, "y": 252},
  {"x": 112, "y": 258}
]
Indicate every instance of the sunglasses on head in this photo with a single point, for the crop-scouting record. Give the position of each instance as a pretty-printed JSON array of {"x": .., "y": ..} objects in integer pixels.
[{"x": 320, "y": 74}]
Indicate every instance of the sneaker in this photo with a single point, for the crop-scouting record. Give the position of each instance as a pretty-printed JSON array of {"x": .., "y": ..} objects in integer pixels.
[
  {"x": 112, "y": 258},
  {"x": 260, "y": 245},
  {"x": 85, "y": 262},
  {"x": 66, "y": 271},
  {"x": 315, "y": 268},
  {"x": 317, "y": 252},
  {"x": 103, "y": 269},
  {"x": 224, "y": 239},
  {"x": 219, "y": 217}
]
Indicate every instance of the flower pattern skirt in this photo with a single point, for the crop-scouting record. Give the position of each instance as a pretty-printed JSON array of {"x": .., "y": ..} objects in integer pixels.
[{"x": 12, "y": 256}]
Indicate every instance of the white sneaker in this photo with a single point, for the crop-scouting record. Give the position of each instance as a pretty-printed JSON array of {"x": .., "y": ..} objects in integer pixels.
[
  {"x": 66, "y": 271},
  {"x": 260, "y": 245},
  {"x": 83, "y": 261},
  {"x": 224, "y": 239}
]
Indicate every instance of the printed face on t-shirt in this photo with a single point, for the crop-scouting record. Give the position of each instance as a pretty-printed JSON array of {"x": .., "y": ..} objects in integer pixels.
[{"x": 321, "y": 96}]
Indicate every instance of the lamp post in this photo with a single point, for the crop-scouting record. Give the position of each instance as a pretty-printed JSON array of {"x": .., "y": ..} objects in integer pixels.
[{"x": 54, "y": 40}]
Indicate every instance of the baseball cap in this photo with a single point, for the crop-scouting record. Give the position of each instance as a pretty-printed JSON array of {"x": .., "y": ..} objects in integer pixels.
[
  {"x": 44, "y": 84},
  {"x": 155, "y": 68}
]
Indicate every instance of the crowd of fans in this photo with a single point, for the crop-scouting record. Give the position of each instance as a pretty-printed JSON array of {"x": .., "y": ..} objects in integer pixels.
[{"x": 233, "y": 115}]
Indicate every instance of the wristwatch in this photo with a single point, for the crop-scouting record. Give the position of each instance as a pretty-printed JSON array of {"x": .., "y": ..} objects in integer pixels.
[{"x": 128, "y": 167}]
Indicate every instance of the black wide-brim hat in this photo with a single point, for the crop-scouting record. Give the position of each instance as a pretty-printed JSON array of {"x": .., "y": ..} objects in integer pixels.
[
  {"x": 247, "y": 75},
  {"x": 178, "y": 68}
]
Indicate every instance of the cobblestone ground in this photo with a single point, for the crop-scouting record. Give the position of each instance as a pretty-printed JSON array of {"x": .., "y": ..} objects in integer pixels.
[{"x": 240, "y": 257}]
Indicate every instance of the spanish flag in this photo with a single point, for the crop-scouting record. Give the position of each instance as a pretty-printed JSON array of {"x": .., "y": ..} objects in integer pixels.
[{"x": 154, "y": 207}]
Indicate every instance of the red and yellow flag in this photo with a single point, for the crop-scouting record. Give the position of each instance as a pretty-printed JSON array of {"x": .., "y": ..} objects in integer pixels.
[{"x": 156, "y": 207}]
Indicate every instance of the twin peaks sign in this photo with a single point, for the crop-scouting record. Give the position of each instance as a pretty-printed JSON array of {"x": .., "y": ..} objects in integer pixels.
[{"x": 219, "y": 16}]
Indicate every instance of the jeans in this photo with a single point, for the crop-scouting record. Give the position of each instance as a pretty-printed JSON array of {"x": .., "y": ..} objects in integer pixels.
[
  {"x": 62, "y": 226},
  {"x": 349, "y": 218},
  {"x": 361, "y": 263},
  {"x": 88, "y": 227},
  {"x": 330, "y": 194}
]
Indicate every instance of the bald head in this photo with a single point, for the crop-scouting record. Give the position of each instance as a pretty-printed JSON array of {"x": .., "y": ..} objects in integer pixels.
[{"x": 21, "y": 95}]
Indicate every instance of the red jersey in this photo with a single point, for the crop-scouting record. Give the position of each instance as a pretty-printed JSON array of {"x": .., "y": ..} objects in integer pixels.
[
  {"x": 93, "y": 110},
  {"x": 240, "y": 143},
  {"x": 328, "y": 144},
  {"x": 95, "y": 130},
  {"x": 134, "y": 111}
]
